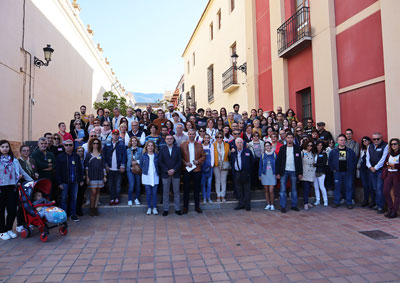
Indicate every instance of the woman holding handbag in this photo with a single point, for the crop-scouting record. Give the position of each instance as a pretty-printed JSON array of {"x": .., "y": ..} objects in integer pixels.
[
  {"x": 221, "y": 166},
  {"x": 266, "y": 174},
  {"x": 133, "y": 171},
  {"x": 391, "y": 177},
  {"x": 95, "y": 173}
]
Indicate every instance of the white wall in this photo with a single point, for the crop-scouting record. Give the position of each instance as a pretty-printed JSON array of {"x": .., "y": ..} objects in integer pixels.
[{"x": 76, "y": 75}]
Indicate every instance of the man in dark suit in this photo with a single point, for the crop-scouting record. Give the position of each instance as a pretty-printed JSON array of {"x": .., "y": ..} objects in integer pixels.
[
  {"x": 170, "y": 162},
  {"x": 242, "y": 162},
  {"x": 289, "y": 165}
]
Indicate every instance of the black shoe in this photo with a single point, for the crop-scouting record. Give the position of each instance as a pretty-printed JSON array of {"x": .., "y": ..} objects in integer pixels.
[
  {"x": 392, "y": 215},
  {"x": 248, "y": 209},
  {"x": 74, "y": 218},
  {"x": 379, "y": 211},
  {"x": 165, "y": 213},
  {"x": 364, "y": 204},
  {"x": 375, "y": 207},
  {"x": 350, "y": 206},
  {"x": 198, "y": 209},
  {"x": 185, "y": 210},
  {"x": 283, "y": 210},
  {"x": 387, "y": 214},
  {"x": 178, "y": 212},
  {"x": 239, "y": 207},
  {"x": 295, "y": 208},
  {"x": 371, "y": 205},
  {"x": 335, "y": 205}
]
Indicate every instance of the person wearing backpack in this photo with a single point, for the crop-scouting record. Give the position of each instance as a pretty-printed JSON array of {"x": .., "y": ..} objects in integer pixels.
[{"x": 266, "y": 174}]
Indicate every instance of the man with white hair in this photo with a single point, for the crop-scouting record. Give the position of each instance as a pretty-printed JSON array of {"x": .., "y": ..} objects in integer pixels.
[
  {"x": 180, "y": 137},
  {"x": 171, "y": 110},
  {"x": 242, "y": 161}
]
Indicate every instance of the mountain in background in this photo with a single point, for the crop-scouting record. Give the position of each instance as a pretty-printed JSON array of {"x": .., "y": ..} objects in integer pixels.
[{"x": 147, "y": 97}]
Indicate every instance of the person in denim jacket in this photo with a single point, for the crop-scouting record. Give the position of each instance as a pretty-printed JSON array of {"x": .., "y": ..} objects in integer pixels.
[
  {"x": 150, "y": 175},
  {"x": 134, "y": 153}
]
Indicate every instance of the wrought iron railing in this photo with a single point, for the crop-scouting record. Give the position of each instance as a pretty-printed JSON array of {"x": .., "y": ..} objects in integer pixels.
[
  {"x": 229, "y": 78},
  {"x": 296, "y": 28}
]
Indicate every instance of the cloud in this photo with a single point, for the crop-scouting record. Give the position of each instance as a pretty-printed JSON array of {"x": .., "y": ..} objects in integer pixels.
[{"x": 146, "y": 97}]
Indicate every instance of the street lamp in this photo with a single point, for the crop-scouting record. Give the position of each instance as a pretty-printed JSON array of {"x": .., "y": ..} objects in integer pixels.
[
  {"x": 242, "y": 67},
  {"x": 47, "y": 56}
]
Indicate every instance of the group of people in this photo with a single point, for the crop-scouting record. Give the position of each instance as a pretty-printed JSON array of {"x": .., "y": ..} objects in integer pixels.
[{"x": 260, "y": 149}]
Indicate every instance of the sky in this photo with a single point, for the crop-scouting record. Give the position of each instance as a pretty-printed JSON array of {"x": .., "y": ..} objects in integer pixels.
[{"x": 143, "y": 39}]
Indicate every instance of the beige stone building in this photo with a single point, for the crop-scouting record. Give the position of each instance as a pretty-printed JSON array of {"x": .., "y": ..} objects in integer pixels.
[
  {"x": 33, "y": 99},
  {"x": 225, "y": 28}
]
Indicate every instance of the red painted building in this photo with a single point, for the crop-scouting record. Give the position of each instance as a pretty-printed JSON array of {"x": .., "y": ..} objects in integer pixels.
[{"x": 325, "y": 60}]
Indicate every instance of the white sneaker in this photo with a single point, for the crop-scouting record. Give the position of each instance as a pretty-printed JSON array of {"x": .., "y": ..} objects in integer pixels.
[
  {"x": 204, "y": 201},
  {"x": 130, "y": 203},
  {"x": 137, "y": 202},
  {"x": 155, "y": 212},
  {"x": 306, "y": 207},
  {"x": 210, "y": 201},
  {"x": 272, "y": 208},
  {"x": 353, "y": 202},
  {"x": 223, "y": 200},
  {"x": 342, "y": 201},
  {"x": 12, "y": 234},
  {"x": 218, "y": 199},
  {"x": 267, "y": 207},
  {"x": 87, "y": 202},
  {"x": 325, "y": 203},
  {"x": 148, "y": 211},
  {"x": 317, "y": 203},
  {"x": 5, "y": 236},
  {"x": 98, "y": 203},
  {"x": 19, "y": 229}
]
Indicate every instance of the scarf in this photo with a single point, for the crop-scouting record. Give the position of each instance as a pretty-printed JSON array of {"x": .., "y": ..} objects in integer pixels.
[
  {"x": 7, "y": 163},
  {"x": 221, "y": 153},
  {"x": 105, "y": 133},
  {"x": 394, "y": 153}
]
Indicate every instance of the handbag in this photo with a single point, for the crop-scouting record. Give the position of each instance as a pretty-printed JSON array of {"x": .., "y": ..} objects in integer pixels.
[
  {"x": 135, "y": 167},
  {"x": 226, "y": 165}
]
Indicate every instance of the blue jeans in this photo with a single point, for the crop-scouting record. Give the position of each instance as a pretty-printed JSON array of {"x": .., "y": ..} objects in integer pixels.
[
  {"x": 151, "y": 195},
  {"x": 293, "y": 180},
  {"x": 206, "y": 186},
  {"x": 69, "y": 190},
  {"x": 306, "y": 190},
  {"x": 343, "y": 180},
  {"x": 114, "y": 179},
  {"x": 366, "y": 183},
  {"x": 134, "y": 183},
  {"x": 377, "y": 186}
]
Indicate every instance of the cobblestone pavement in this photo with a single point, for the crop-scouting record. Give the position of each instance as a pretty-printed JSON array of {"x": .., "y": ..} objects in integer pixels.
[{"x": 322, "y": 245}]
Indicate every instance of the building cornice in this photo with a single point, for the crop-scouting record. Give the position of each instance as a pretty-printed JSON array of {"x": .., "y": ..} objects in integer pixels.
[{"x": 203, "y": 16}]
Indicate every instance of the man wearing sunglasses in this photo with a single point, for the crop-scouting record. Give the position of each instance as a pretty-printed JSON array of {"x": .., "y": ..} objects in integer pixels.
[
  {"x": 376, "y": 155},
  {"x": 69, "y": 175}
]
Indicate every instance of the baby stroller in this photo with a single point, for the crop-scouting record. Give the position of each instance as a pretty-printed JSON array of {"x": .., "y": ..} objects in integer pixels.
[{"x": 31, "y": 215}]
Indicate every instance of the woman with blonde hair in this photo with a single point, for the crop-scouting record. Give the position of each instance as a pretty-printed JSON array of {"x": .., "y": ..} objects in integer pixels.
[
  {"x": 221, "y": 166},
  {"x": 134, "y": 153},
  {"x": 95, "y": 173},
  {"x": 150, "y": 175}
]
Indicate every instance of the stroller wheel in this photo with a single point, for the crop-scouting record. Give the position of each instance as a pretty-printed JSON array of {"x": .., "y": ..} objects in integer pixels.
[
  {"x": 25, "y": 233},
  {"x": 43, "y": 237},
  {"x": 63, "y": 231}
]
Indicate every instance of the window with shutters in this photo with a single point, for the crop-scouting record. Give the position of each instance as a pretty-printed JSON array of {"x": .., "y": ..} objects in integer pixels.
[
  {"x": 306, "y": 104},
  {"x": 219, "y": 19},
  {"x": 210, "y": 80}
]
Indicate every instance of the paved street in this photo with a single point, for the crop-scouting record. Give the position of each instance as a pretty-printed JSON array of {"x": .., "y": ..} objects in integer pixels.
[{"x": 321, "y": 245}]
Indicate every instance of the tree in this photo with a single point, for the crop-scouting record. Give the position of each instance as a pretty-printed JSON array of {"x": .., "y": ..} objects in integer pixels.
[{"x": 110, "y": 101}]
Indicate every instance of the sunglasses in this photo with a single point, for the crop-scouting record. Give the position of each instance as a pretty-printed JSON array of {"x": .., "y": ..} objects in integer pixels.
[
  {"x": 309, "y": 145},
  {"x": 393, "y": 144},
  {"x": 298, "y": 131},
  {"x": 236, "y": 134},
  {"x": 78, "y": 124},
  {"x": 107, "y": 112},
  {"x": 377, "y": 139},
  {"x": 219, "y": 137},
  {"x": 96, "y": 143},
  {"x": 68, "y": 144},
  {"x": 115, "y": 134},
  {"x": 106, "y": 125},
  {"x": 56, "y": 139}
]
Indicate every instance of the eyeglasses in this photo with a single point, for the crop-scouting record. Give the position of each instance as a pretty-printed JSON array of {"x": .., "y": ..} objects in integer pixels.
[
  {"x": 96, "y": 143},
  {"x": 377, "y": 139},
  {"x": 219, "y": 137},
  {"x": 107, "y": 112},
  {"x": 394, "y": 144},
  {"x": 244, "y": 114},
  {"x": 68, "y": 144},
  {"x": 56, "y": 139}
]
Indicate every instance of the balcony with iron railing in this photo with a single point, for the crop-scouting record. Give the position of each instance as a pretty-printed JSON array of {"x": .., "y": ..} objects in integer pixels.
[
  {"x": 229, "y": 80},
  {"x": 295, "y": 34}
]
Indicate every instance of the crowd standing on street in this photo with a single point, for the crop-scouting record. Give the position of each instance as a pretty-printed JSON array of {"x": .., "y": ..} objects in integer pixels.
[{"x": 204, "y": 149}]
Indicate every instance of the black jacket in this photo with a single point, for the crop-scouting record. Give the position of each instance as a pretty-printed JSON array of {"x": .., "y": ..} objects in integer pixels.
[
  {"x": 167, "y": 162},
  {"x": 247, "y": 160},
  {"x": 63, "y": 163},
  {"x": 321, "y": 164},
  {"x": 280, "y": 163}
]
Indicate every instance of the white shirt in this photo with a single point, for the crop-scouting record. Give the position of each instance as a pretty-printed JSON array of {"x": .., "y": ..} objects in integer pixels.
[
  {"x": 130, "y": 120},
  {"x": 393, "y": 160},
  {"x": 290, "y": 159},
  {"x": 151, "y": 179},
  {"x": 170, "y": 150},
  {"x": 238, "y": 161},
  {"x": 114, "y": 158},
  {"x": 142, "y": 138},
  {"x": 381, "y": 162},
  {"x": 192, "y": 155}
]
